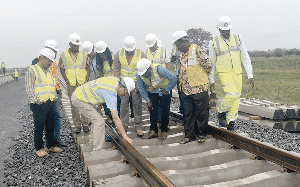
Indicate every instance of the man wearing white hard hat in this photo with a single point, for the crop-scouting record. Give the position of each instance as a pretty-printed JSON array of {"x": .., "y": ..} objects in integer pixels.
[
  {"x": 227, "y": 52},
  {"x": 40, "y": 87},
  {"x": 125, "y": 66},
  {"x": 75, "y": 69},
  {"x": 194, "y": 69},
  {"x": 53, "y": 45},
  {"x": 99, "y": 91},
  {"x": 154, "y": 79}
]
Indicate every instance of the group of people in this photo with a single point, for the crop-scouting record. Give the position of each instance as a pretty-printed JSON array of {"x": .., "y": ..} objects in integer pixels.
[{"x": 95, "y": 78}]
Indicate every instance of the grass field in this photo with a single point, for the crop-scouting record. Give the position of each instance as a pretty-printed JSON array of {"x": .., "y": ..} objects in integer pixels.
[{"x": 276, "y": 79}]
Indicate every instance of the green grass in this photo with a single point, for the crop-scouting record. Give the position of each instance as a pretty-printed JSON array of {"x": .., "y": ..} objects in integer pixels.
[{"x": 276, "y": 79}]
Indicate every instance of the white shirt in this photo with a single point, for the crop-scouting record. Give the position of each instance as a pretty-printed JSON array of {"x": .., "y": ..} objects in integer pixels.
[{"x": 244, "y": 55}]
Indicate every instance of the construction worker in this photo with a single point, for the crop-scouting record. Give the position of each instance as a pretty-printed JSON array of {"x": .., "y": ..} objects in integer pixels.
[
  {"x": 125, "y": 65},
  {"x": 53, "y": 45},
  {"x": 226, "y": 52},
  {"x": 40, "y": 87},
  {"x": 193, "y": 80},
  {"x": 156, "y": 79},
  {"x": 75, "y": 69},
  {"x": 102, "y": 90},
  {"x": 16, "y": 75},
  {"x": 3, "y": 67}
]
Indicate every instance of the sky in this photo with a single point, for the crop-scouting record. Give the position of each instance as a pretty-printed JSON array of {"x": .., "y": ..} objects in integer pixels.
[{"x": 26, "y": 25}]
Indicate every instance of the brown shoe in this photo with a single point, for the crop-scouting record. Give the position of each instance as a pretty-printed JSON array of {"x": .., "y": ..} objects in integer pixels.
[
  {"x": 150, "y": 135},
  {"x": 55, "y": 150},
  {"x": 163, "y": 135},
  {"x": 41, "y": 153},
  {"x": 139, "y": 132}
]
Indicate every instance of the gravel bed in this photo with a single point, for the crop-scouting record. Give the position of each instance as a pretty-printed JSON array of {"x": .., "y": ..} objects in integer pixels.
[
  {"x": 277, "y": 137},
  {"x": 57, "y": 169}
]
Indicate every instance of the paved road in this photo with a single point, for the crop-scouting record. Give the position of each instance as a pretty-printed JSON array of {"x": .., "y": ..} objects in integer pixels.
[{"x": 13, "y": 98}]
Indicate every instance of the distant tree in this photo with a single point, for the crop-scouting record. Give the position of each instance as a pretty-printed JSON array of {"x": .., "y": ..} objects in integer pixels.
[{"x": 200, "y": 37}]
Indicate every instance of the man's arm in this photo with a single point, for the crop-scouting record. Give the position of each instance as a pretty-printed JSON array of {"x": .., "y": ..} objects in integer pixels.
[
  {"x": 167, "y": 74},
  {"x": 116, "y": 66},
  {"x": 142, "y": 88},
  {"x": 29, "y": 85},
  {"x": 62, "y": 70}
]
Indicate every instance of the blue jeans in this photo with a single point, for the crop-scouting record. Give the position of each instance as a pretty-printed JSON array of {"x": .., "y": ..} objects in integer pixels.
[
  {"x": 57, "y": 106},
  {"x": 43, "y": 117},
  {"x": 164, "y": 101}
]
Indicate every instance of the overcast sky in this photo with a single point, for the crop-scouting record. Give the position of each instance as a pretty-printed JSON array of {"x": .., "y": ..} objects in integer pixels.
[{"x": 26, "y": 25}]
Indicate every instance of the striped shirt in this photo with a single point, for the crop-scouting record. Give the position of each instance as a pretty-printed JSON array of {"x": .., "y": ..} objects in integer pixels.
[{"x": 30, "y": 84}]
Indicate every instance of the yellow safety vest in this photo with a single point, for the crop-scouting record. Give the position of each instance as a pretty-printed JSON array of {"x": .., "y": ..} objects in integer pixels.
[
  {"x": 158, "y": 58},
  {"x": 228, "y": 56},
  {"x": 44, "y": 86},
  {"x": 156, "y": 80},
  {"x": 107, "y": 70},
  {"x": 75, "y": 72},
  {"x": 196, "y": 74},
  {"x": 87, "y": 91},
  {"x": 2, "y": 65},
  {"x": 129, "y": 70},
  {"x": 16, "y": 74}
]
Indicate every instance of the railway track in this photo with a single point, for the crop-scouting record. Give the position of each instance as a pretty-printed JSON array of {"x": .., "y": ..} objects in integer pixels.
[{"x": 158, "y": 162}]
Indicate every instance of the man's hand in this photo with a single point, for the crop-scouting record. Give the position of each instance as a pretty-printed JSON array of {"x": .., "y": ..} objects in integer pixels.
[
  {"x": 212, "y": 86},
  {"x": 164, "y": 92},
  {"x": 251, "y": 81},
  {"x": 149, "y": 106}
]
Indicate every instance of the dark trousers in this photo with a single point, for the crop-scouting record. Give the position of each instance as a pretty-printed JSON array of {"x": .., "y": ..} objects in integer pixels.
[
  {"x": 196, "y": 114},
  {"x": 164, "y": 101},
  {"x": 44, "y": 118}
]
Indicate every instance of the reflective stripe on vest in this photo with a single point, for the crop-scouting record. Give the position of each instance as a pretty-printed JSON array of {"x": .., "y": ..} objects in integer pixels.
[
  {"x": 196, "y": 74},
  {"x": 44, "y": 86},
  {"x": 87, "y": 91},
  {"x": 75, "y": 72},
  {"x": 228, "y": 56},
  {"x": 159, "y": 57},
  {"x": 156, "y": 80},
  {"x": 129, "y": 70}
]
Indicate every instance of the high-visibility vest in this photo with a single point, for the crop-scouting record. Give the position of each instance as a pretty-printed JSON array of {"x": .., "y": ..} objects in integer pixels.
[
  {"x": 53, "y": 69},
  {"x": 16, "y": 74},
  {"x": 228, "y": 56},
  {"x": 2, "y": 65},
  {"x": 87, "y": 91},
  {"x": 159, "y": 56},
  {"x": 156, "y": 80},
  {"x": 75, "y": 72},
  {"x": 107, "y": 70},
  {"x": 129, "y": 70},
  {"x": 44, "y": 85},
  {"x": 196, "y": 74}
]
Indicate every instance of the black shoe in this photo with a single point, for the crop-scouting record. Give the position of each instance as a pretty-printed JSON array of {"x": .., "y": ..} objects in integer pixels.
[
  {"x": 86, "y": 129},
  {"x": 59, "y": 143},
  {"x": 150, "y": 135},
  {"x": 77, "y": 129},
  {"x": 231, "y": 125},
  {"x": 222, "y": 119}
]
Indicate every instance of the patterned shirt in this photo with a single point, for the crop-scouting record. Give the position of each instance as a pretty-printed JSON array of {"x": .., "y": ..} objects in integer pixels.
[
  {"x": 204, "y": 61},
  {"x": 117, "y": 64}
]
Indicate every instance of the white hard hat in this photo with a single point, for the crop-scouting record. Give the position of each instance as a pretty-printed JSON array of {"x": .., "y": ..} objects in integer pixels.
[
  {"x": 177, "y": 35},
  {"x": 75, "y": 39},
  {"x": 52, "y": 44},
  {"x": 129, "y": 43},
  {"x": 48, "y": 53},
  {"x": 224, "y": 23},
  {"x": 151, "y": 39},
  {"x": 100, "y": 47},
  {"x": 142, "y": 66},
  {"x": 159, "y": 43},
  {"x": 87, "y": 46},
  {"x": 130, "y": 85}
]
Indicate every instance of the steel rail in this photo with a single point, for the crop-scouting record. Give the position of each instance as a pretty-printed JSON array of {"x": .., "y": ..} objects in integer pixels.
[{"x": 271, "y": 153}]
